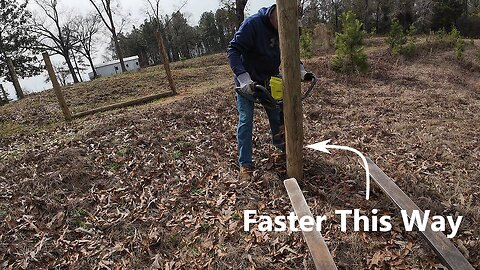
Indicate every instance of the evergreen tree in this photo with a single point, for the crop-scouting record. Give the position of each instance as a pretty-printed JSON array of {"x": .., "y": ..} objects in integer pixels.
[
  {"x": 209, "y": 32},
  {"x": 16, "y": 42},
  {"x": 445, "y": 13},
  {"x": 349, "y": 54},
  {"x": 396, "y": 38},
  {"x": 306, "y": 44},
  {"x": 458, "y": 43},
  {"x": 225, "y": 20},
  {"x": 399, "y": 42}
]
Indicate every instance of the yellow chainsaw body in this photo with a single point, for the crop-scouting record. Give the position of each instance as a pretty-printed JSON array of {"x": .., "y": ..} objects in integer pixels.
[{"x": 276, "y": 86}]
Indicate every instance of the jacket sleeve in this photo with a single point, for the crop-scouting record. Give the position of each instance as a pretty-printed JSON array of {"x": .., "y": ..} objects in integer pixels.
[{"x": 241, "y": 44}]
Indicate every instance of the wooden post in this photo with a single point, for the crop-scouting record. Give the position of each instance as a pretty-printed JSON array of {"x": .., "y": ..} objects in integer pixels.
[
  {"x": 443, "y": 247},
  {"x": 4, "y": 94},
  {"x": 13, "y": 74},
  {"x": 166, "y": 62},
  {"x": 316, "y": 244},
  {"x": 292, "y": 106},
  {"x": 56, "y": 87}
]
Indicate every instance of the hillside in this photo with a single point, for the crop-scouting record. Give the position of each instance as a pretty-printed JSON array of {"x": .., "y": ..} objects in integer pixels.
[{"x": 155, "y": 186}]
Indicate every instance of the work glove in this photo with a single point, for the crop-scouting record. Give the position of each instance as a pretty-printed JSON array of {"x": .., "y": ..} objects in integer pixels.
[
  {"x": 306, "y": 76},
  {"x": 247, "y": 86}
]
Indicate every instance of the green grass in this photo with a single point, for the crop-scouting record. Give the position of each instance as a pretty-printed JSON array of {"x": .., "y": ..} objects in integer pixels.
[
  {"x": 8, "y": 129},
  {"x": 77, "y": 218},
  {"x": 115, "y": 167},
  {"x": 236, "y": 216},
  {"x": 177, "y": 154}
]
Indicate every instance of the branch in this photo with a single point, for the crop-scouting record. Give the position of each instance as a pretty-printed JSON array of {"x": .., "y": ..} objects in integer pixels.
[{"x": 101, "y": 15}]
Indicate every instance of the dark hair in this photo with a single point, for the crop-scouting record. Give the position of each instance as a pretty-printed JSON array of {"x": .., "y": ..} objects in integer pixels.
[{"x": 272, "y": 9}]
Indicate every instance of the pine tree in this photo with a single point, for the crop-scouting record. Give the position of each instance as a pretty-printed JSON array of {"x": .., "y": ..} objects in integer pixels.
[
  {"x": 306, "y": 45},
  {"x": 410, "y": 48},
  {"x": 350, "y": 55},
  {"x": 399, "y": 42},
  {"x": 445, "y": 12},
  {"x": 457, "y": 41},
  {"x": 16, "y": 42},
  {"x": 396, "y": 38}
]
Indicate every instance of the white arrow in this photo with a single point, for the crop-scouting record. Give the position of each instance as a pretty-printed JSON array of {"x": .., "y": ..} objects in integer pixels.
[{"x": 323, "y": 147}]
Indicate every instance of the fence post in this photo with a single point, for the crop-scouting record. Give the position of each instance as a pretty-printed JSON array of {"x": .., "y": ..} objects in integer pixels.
[
  {"x": 292, "y": 107},
  {"x": 4, "y": 94},
  {"x": 56, "y": 87},
  {"x": 13, "y": 74},
  {"x": 166, "y": 62}
]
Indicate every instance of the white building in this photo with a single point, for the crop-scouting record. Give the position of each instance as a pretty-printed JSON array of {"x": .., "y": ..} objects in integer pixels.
[{"x": 114, "y": 67}]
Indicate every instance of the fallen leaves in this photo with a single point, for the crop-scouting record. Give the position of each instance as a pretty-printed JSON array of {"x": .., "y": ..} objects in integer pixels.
[{"x": 156, "y": 186}]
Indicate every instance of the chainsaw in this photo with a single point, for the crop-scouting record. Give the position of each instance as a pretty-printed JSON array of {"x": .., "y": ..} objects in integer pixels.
[{"x": 271, "y": 95}]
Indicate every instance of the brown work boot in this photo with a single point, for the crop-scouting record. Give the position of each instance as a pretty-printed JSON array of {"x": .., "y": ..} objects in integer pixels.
[
  {"x": 280, "y": 158},
  {"x": 246, "y": 173}
]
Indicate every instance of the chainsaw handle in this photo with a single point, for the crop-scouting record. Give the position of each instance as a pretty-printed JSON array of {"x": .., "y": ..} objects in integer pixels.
[
  {"x": 266, "y": 93},
  {"x": 310, "y": 88}
]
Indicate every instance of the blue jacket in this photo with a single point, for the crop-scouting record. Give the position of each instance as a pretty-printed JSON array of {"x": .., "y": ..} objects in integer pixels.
[{"x": 255, "y": 48}]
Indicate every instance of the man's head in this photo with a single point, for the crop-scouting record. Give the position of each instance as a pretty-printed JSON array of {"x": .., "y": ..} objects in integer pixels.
[{"x": 274, "y": 18}]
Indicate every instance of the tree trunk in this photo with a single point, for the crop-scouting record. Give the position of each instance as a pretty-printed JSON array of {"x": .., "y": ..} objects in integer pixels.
[
  {"x": 76, "y": 67},
  {"x": 336, "y": 15},
  {"x": 13, "y": 75},
  {"x": 240, "y": 10},
  {"x": 365, "y": 17},
  {"x": 66, "y": 55},
  {"x": 89, "y": 57},
  {"x": 119, "y": 51}
]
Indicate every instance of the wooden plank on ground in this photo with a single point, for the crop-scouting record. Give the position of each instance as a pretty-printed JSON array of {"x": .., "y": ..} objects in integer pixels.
[
  {"x": 138, "y": 101},
  {"x": 443, "y": 247},
  {"x": 317, "y": 246}
]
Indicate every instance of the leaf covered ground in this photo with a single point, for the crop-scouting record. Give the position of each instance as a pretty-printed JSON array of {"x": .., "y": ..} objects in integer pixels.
[{"x": 156, "y": 187}]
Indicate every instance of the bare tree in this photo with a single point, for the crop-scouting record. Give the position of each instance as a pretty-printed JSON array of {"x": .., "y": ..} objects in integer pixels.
[
  {"x": 55, "y": 36},
  {"x": 154, "y": 15},
  {"x": 104, "y": 10},
  {"x": 87, "y": 29},
  {"x": 61, "y": 73},
  {"x": 238, "y": 6},
  {"x": 240, "y": 10}
]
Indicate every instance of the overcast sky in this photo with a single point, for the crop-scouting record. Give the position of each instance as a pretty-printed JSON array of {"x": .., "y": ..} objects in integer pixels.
[{"x": 136, "y": 11}]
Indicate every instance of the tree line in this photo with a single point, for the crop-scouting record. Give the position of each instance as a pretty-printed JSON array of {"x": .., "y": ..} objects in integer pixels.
[
  {"x": 215, "y": 29},
  {"x": 77, "y": 38}
]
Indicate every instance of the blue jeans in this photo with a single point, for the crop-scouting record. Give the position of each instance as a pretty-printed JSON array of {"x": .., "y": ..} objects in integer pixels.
[{"x": 245, "y": 109}]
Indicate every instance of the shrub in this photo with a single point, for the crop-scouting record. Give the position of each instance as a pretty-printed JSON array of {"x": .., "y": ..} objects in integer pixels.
[
  {"x": 457, "y": 41},
  {"x": 453, "y": 36},
  {"x": 441, "y": 34},
  {"x": 349, "y": 53},
  {"x": 410, "y": 48},
  {"x": 399, "y": 42},
  {"x": 459, "y": 48},
  {"x": 306, "y": 45},
  {"x": 396, "y": 38}
]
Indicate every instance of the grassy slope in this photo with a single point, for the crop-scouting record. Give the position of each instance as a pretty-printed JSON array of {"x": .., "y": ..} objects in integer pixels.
[{"x": 156, "y": 184}]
